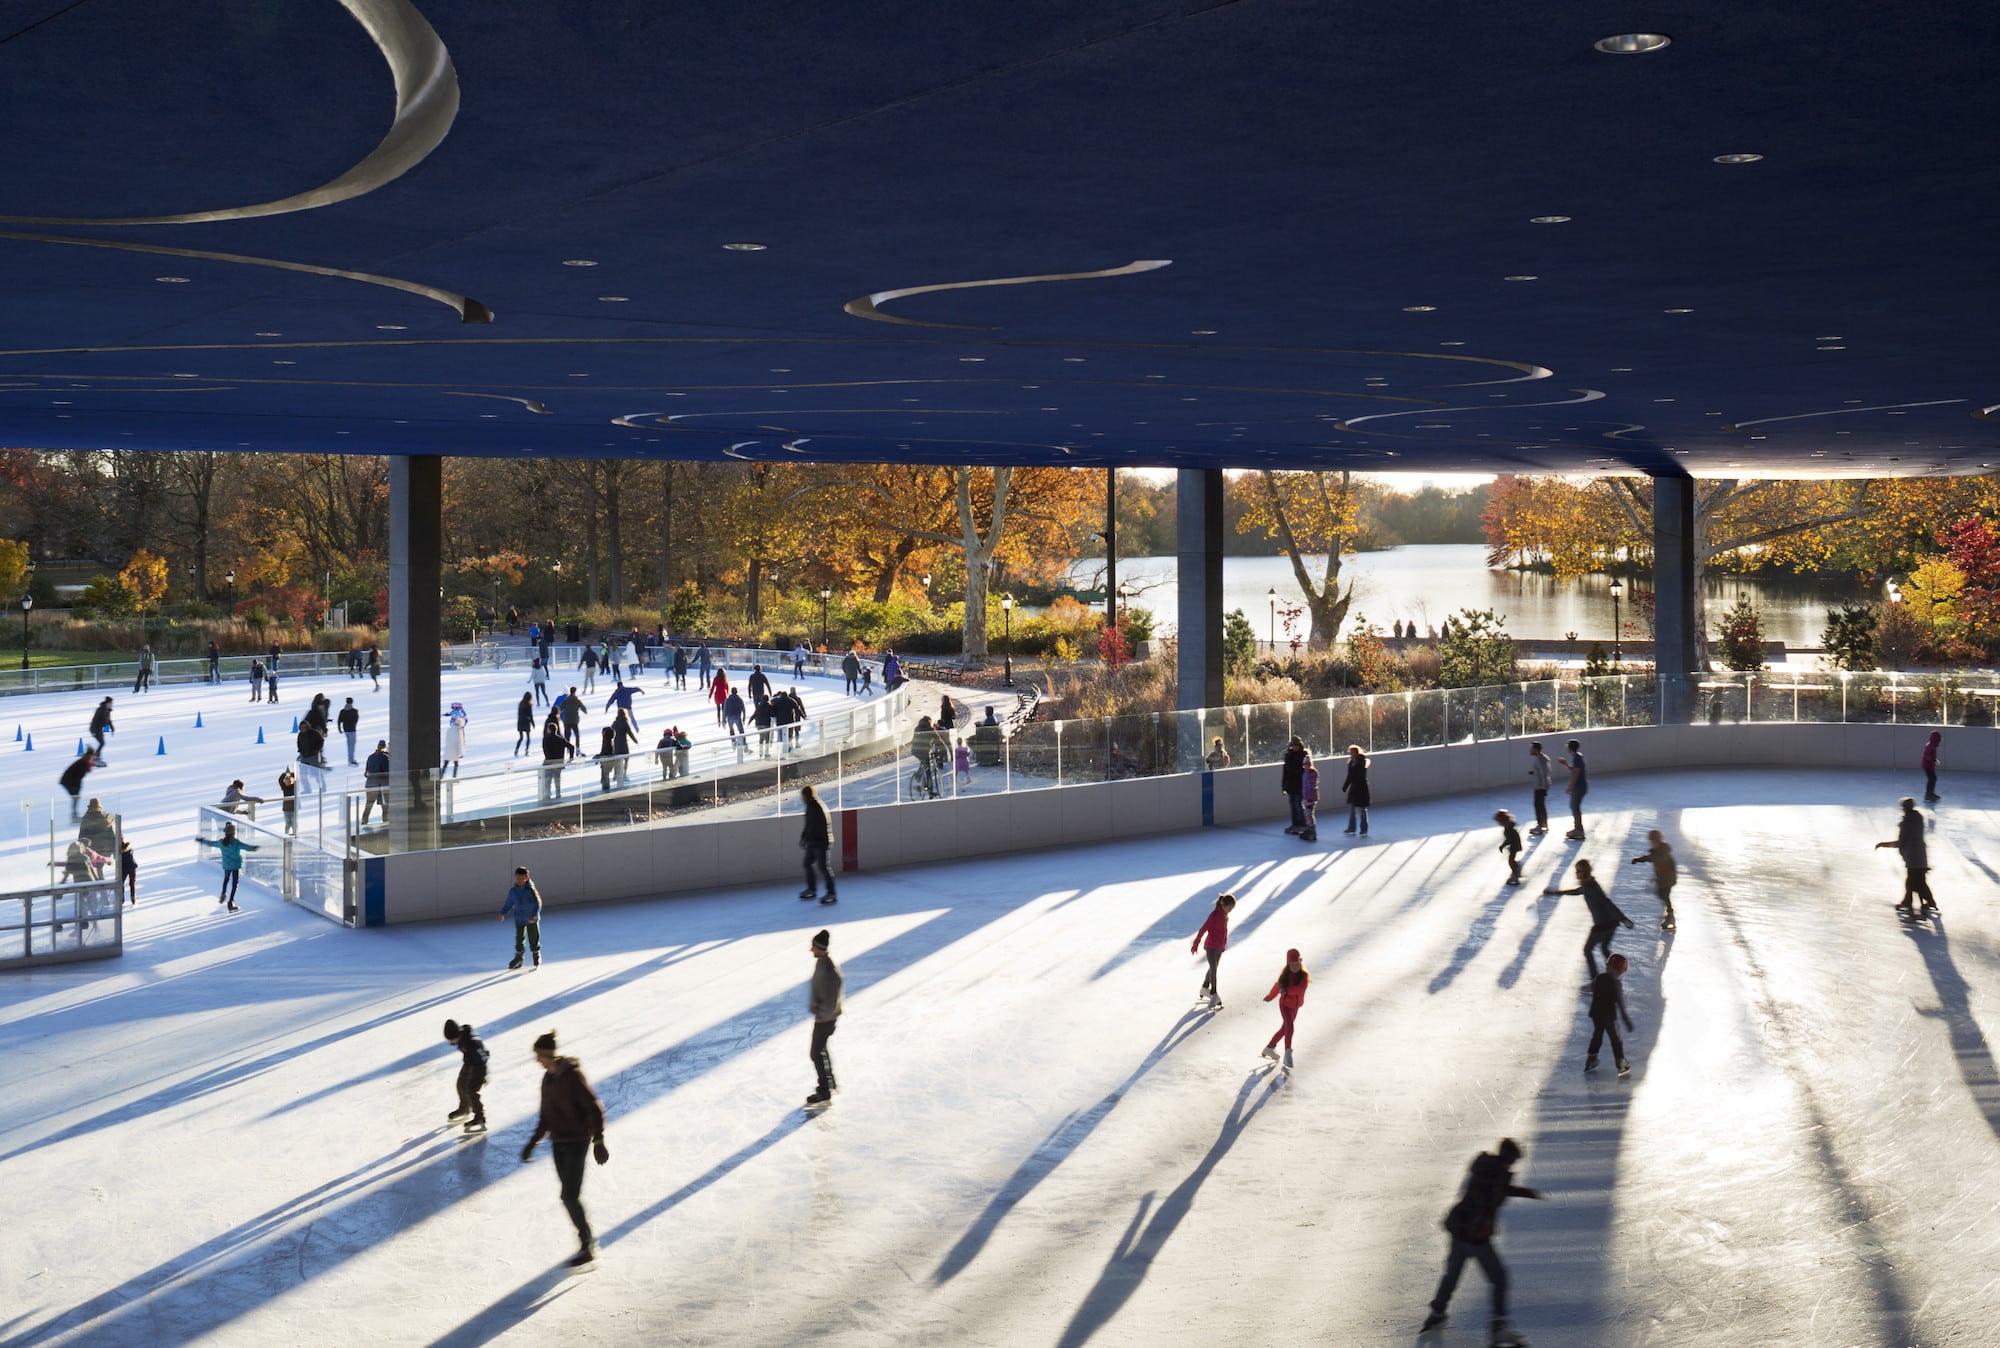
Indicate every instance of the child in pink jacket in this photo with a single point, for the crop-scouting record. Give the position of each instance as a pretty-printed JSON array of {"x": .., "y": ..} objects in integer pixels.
[
  {"x": 1214, "y": 937},
  {"x": 1290, "y": 992}
]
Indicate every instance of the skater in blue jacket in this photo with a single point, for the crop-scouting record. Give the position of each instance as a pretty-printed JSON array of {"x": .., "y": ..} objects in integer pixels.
[{"x": 524, "y": 905}]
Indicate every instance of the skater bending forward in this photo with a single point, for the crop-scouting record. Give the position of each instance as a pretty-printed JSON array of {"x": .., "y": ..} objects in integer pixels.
[
  {"x": 1607, "y": 1008},
  {"x": 1213, "y": 937},
  {"x": 1290, "y": 992},
  {"x": 471, "y": 1076},
  {"x": 1473, "y": 1222},
  {"x": 1605, "y": 916},
  {"x": 1665, "y": 872},
  {"x": 573, "y": 1121}
]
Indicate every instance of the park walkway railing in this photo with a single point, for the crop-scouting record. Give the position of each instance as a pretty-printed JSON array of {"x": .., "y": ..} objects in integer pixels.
[{"x": 61, "y": 921}]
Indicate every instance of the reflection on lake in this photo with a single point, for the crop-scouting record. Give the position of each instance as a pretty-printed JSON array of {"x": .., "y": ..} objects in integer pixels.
[{"x": 1423, "y": 583}]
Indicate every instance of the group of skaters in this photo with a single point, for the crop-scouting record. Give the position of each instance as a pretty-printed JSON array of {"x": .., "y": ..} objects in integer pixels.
[{"x": 1299, "y": 780}]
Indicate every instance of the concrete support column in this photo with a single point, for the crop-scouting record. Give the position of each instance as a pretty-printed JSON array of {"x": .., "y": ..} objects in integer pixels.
[
  {"x": 1198, "y": 527},
  {"x": 416, "y": 526},
  {"x": 1673, "y": 595}
]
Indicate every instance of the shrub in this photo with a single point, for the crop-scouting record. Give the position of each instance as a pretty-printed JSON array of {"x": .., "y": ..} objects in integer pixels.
[
  {"x": 1849, "y": 636},
  {"x": 688, "y": 611},
  {"x": 1475, "y": 649},
  {"x": 1239, "y": 644},
  {"x": 1740, "y": 640},
  {"x": 1261, "y": 688},
  {"x": 1137, "y": 624}
]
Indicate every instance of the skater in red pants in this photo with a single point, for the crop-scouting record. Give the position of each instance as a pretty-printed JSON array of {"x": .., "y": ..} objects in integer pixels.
[
  {"x": 1214, "y": 937},
  {"x": 1290, "y": 992}
]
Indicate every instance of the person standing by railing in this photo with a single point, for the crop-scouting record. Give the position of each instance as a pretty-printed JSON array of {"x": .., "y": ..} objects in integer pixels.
[
  {"x": 1355, "y": 785},
  {"x": 1930, "y": 765},
  {"x": 680, "y": 666},
  {"x": 349, "y": 721},
  {"x": 1579, "y": 787},
  {"x": 816, "y": 839},
  {"x": 288, "y": 787},
  {"x": 556, "y": 750},
  {"x": 214, "y": 663},
  {"x": 146, "y": 667},
  {"x": 1291, "y": 780}
]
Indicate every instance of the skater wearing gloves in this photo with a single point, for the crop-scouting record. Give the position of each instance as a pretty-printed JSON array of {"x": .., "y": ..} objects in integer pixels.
[
  {"x": 1579, "y": 787},
  {"x": 1290, "y": 992},
  {"x": 1607, "y": 1008},
  {"x": 1605, "y": 917},
  {"x": 232, "y": 849},
  {"x": 1472, "y": 1222},
  {"x": 1355, "y": 787},
  {"x": 1930, "y": 765},
  {"x": 524, "y": 906},
  {"x": 573, "y": 1121},
  {"x": 471, "y": 1076},
  {"x": 1538, "y": 775},
  {"x": 1909, "y": 841},
  {"x": 825, "y": 1005},
  {"x": 1214, "y": 937},
  {"x": 816, "y": 838},
  {"x": 1510, "y": 843},
  {"x": 1665, "y": 872},
  {"x": 1309, "y": 801}
]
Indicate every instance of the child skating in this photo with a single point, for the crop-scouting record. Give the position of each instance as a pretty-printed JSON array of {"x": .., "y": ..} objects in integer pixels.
[
  {"x": 1309, "y": 801},
  {"x": 1510, "y": 843},
  {"x": 471, "y": 1076},
  {"x": 1214, "y": 938},
  {"x": 1607, "y": 1008},
  {"x": 524, "y": 906},
  {"x": 1605, "y": 916},
  {"x": 1290, "y": 992},
  {"x": 1665, "y": 872},
  {"x": 232, "y": 849}
]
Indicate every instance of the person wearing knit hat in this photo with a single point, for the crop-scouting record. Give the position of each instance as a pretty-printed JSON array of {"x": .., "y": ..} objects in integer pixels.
[
  {"x": 1290, "y": 992},
  {"x": 471, "y": 1076},
  {"x": 824, "y": 1003},
  {"x": 573, "y": 1120}
]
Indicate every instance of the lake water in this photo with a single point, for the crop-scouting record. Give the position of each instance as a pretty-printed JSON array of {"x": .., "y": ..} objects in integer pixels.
[{"x": 1423, "y": 583}]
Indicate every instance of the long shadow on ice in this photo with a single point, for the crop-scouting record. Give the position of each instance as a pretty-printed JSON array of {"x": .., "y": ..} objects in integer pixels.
[{"x": 1968, "y": 1042}]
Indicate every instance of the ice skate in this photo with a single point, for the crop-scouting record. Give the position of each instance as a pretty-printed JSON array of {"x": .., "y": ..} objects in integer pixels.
[
  {"x": 819, "y": 1099},
  {"x": 808, "y": 895},
  {"x": 1288, "y": 1060},
  {"x": 460, "y": 1113},
  {"x": 1667, "y": 922},
  {"x": 1624, "y": 1068},
  {"x": 1575, "y": 835},
  {"x": 1271, "y": 1052},
  {"x": 1590, "y": 1063},
  {"x": 514, "y": 963},
  {"x": 1434, "y": 1321},
  {"x": 1504, "y": 1336},
  {"x": 233, "y": 908},
  {"x": 583, "y": 1259},
  {"x": 1308, "y": 837},
  {"x": 1214, "y": 1001},
  {"x": 828, "y": 899},
  {"x": 538, "y": 959},
  {"x": 475, "y": 1127}
]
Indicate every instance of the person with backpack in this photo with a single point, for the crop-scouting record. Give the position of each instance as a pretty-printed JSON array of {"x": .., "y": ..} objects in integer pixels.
[
  {"x": 1607, "y": 1007},
  {"x": 1213, "y": 938},
  {"x": 1290, "y": 994},
  {"x": 1472, "y": 1222},
  {"x": 471, "y": 1076},
  {"x": 524, "y": 906}
]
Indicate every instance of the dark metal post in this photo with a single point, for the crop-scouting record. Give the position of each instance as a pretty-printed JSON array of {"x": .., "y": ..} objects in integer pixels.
[{"x": 416, "y": 519}]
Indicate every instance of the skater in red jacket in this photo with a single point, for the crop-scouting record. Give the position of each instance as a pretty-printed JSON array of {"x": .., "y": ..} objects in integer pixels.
[
  {"x": 1290, "y": 992},
  {"x": 1213, "y": 937}
]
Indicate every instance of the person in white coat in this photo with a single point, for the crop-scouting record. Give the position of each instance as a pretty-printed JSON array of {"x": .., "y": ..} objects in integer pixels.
[{"x": 456, "y": 722}]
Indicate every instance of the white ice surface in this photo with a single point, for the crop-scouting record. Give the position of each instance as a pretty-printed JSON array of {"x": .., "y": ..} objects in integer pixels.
[{"x": 235, "y": 1134}]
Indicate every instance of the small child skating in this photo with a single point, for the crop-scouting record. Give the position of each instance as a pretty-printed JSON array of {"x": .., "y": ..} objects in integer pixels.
[
  {"x": 471, "y": 1076},
  {"x": 1605, "y": 916},
  {"x": 1213, "y": 937},
  {"x": 1665, "y": 872},
  {"x": 961, "y": 762},
  {"x": 1510, "y": 843},
  {"x": 524, "y": 906},
  {"x": 1290, "y": 992},
  {"x": 1607, "y": 1007},
  {"x": 1309, "y": 801}
]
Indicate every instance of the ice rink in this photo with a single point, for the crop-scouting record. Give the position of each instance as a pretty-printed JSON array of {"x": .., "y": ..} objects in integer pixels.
[{"x": 236, "y": 1133}]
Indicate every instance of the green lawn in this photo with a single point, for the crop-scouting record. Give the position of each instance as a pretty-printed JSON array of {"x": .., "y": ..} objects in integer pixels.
[{"x": 49, "y": 659}]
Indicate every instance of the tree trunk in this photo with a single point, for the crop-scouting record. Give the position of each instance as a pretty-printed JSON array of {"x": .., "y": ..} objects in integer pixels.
[
  {"x": 590, "y": 531},
  {"x": 892, "y": 567},
  {"x": 614, "y": 536},
  {"x": 666, "y": 532},
  {"x": 753, "y": 603},
  {"x": 979, "y": 550}
]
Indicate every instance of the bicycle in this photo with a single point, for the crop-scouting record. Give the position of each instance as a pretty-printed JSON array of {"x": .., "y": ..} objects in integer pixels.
[{"x": 925, "y": 778}]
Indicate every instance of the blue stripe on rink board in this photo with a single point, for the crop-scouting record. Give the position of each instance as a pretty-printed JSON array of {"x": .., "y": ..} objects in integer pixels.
[
  {"x": 374, "y": 874},
  {"x": 1208, "y": 800}
]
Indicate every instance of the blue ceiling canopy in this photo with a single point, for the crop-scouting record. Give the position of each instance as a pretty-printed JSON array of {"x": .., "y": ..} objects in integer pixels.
[{"x": 1268, "y": 233}]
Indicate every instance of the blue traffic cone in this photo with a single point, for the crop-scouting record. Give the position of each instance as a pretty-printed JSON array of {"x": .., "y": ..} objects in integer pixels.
[
  {"x": 31, "y": 745},
  {"x": 260, "y": 734},
  {"x": 161, "y": 752},
  {"x": 197, "y": 720},
  {"x": 295, "y": 725},
  {"x": 17, "y": 732},
  {"x": 79, "y": 746}
]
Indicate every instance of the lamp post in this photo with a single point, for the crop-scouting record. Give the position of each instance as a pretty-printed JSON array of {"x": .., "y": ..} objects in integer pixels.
[
  {"x": 27, "y": 602},
  {"x": 1272, "y": 594},
  {"x": 825, "y": 593},
  {"x": 494, "y": 630},
  {"x": 927, "y": 588},
  {"x": 558, "y": 570},
  {"x": 1006, "y": 638},
  {"x": 1617, "y": 631},
  {"x": 230, "y": 580}
]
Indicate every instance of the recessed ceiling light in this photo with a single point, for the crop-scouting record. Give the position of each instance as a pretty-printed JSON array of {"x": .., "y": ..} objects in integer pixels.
[
  {"x": 1738, "y": 158},
  {"x": 972, "y": 360},
  {"x": 1833, "y": 339},
  {"x": 781, "y": 369},
  {"x": 1676, "y": 311},
  {"x": 59, "y": 403},
  {"x": 578, "y": 262},
  {"x": 1829, "y": 348},
  {"x": 1203, "y": 332},
  {"x": 183, "y": 376},
  {"x": 172, "y": 280},
  {"x": 1663, "y": 400},
  {"x": 280, "y": 334},
  {"x": 579, "y": 376},
  {"x": 1631, "y": 44},
  {"x": 1520, "y": 278},
  {"x": 1451, "y": 343},
  {"x": 744, "y": 247},
  {"x": 489, "y": 416},
  {"x": 1548, "y": 220},
  {"x": 611, "y": 299},
  {"x": 390, "y": 327},
  {"x": 284, "y": 362},
  {"x": 1419, "y": 308},
  {"x": 1052, "y": 409},
  {"x": 1621, "y": 369}
]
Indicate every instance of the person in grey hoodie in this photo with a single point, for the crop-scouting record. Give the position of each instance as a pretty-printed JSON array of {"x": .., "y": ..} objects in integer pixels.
[
  {"x": 524, "y": 905},
  {"x": 824, "y": 1003}
]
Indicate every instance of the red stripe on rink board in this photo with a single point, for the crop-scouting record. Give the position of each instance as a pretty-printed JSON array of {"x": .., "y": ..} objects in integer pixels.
[{"x": 850, "y": 841}]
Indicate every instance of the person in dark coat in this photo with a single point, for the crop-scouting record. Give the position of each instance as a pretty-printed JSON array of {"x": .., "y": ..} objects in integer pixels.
[
  {"x": 1510, "y": 843},
  {"x": 816, "y": 839},
  {"x": 72, "y": 778},
  {"x": 256, "y": 680},
  {"x": 288, "y": 788},
  {"x": 556, "y": 751},
  {"x": 823, "y": 1002},
  {"x": 1929, "y": 763},
  {"x": 680, "y": 667},
  {"x": 1292, "y": 782},
  {"x": 572, "y": 1119},
  {"x": 1909, "y": 842},
  {"x": 947, "y": 717},
  {"x": 100, "y": 726},
  {"x": 375, "y": 667},
  {"x": 214, "y": 663},
  {"x": 349, "y": 722},
  {"x": 1605, "y": 916},
  {"x": 1473, "y": 1221},
  {"x": 1607, "y": 1007},
  {"x": 524, "y": 723},
  {"x": 763, "y": 716},
  {"x": 1579, "y": 787},
  {"x": 128, "y": 871},
  {"x": 375, "y": 777},
  {"x": 1355, "y": 784},
  {"x": 759, "y": 683},
  {"x": 850, "y": 667},
  {"x": 96, "y": 831},
  {"x": 471, "y": 1076}
]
